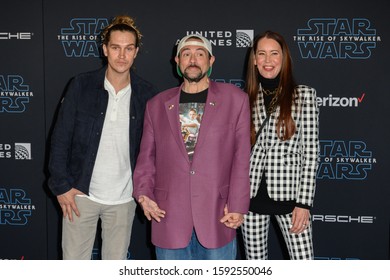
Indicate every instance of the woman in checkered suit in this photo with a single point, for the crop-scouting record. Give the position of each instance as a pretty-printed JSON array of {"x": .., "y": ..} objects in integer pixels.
[{"x": 284, "y": 157}]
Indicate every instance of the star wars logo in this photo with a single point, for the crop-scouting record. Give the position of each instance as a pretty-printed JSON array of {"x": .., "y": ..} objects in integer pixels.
[
  {"x": 15, "y": 207},
  {"x": 81, "y": 38},
  {"x": 14, "y": 94},
  {"x": 337, "y": 38},
  {"x": 344, "y": 160}
]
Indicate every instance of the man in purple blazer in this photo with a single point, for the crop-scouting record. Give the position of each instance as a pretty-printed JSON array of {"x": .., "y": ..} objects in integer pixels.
[{"x": 192, "y": 173}]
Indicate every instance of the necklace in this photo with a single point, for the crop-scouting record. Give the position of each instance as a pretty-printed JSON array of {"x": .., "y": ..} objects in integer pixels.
[
  {"x": 274, "y": 101},
  {"x": 269, "y": 92}
]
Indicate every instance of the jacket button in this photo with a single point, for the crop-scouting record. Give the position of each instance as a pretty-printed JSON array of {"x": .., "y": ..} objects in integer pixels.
[{"x": 192, "y": 172}]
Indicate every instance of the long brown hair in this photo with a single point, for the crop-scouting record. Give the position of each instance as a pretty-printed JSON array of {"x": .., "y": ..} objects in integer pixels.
[
  {"x": 121, "y": 23},
  {"x": 285, "y": 125}
]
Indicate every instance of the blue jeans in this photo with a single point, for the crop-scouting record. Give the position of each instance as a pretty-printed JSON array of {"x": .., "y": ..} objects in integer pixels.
[{"x": 195, "y": 251}]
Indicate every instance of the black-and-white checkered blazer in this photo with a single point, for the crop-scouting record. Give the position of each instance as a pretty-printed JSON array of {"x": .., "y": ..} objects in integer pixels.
[{"x": 290, "y": 166}]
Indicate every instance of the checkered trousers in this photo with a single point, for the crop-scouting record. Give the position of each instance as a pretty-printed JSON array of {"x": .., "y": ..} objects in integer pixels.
[
  {"x": 291, "y": 165},
  {"x": 255, "y": 235}
]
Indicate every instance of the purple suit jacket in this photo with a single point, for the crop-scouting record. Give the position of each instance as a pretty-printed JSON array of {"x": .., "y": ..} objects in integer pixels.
[{"x": 194, "y": 194}]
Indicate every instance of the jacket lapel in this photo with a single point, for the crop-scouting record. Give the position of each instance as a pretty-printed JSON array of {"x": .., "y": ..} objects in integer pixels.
[
  {"x": 172, "y": 110},
  {"x": 211, "y": 109},
  {"x": 270, "y": 128}
]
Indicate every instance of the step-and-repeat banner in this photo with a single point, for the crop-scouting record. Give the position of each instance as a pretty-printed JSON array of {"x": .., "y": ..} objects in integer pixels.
[{"x": 341, "y": 49}]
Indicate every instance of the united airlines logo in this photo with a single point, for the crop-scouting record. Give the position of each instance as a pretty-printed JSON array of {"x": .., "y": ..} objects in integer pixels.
[
  {"x": 337, "y": 38},
  {"x": 18, "y": 151},
  {"x": 244, "y": 38},
  {"x": 81, "y": 38},
  {"x": 15, "y": 207},
  {"x": 240, "y": 38},
  {"x": 344, "y": 160},
  {"x": 15, "y": 94},
  {"x": 23, "y": 151}
]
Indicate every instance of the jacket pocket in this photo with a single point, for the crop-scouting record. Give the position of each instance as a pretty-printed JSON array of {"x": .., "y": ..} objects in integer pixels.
[{"x": 82, "y": 132}]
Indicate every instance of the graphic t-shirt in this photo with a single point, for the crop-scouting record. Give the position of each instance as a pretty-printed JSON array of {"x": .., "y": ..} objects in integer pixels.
[{"x": 191, "y": 110}]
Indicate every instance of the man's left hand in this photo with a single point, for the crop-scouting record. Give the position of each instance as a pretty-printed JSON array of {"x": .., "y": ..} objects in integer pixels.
[{"x": 232, "y": 220}]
